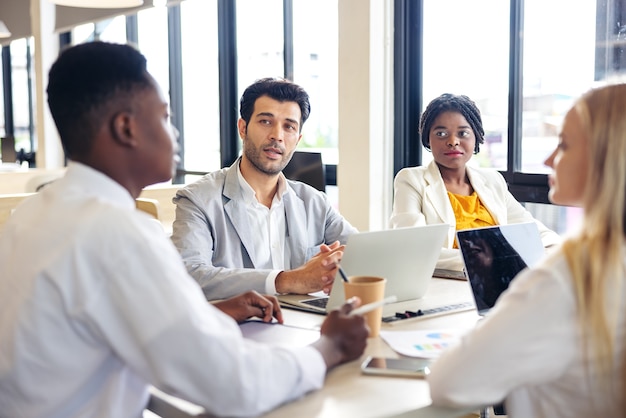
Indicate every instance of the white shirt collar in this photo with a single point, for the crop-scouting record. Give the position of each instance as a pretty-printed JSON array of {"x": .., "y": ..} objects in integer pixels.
[
  {"x": 89, "y": 181},
  {"x": 248, "y": 193}
]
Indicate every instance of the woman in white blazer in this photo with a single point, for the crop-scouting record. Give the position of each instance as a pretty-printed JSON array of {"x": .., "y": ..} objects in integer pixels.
[{"x": 448, "y": 190}]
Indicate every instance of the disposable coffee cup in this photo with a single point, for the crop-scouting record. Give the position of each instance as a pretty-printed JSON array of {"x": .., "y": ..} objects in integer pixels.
[{"x": 369, "y": 289}]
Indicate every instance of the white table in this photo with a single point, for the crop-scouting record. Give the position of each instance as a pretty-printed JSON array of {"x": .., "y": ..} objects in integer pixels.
[{"x": 349, "y": 393}]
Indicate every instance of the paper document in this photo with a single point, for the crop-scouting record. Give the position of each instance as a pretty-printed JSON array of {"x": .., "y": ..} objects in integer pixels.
[
  {"x": 277, "y": 334},
  {"x": 422, "y": 343}
]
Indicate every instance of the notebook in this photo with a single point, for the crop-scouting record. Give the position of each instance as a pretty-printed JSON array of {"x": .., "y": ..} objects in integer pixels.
[
  {"x": 406, "y": 257},
  {"x": 494, "y": 255}
]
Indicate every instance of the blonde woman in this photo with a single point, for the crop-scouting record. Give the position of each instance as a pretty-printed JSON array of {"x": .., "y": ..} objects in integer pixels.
[{"x": 554, "y": 345}]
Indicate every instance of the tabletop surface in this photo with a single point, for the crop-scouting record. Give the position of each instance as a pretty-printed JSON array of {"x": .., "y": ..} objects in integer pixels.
[{"x": 347, "y": 392}]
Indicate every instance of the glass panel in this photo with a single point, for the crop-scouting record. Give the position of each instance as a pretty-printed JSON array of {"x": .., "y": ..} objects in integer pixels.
[
  {"x": 558, "y": 66},
  {"x": 82, "y": 33},
  {"x": 2, "y": 127},
  {"x": 22, "y": 92},
  {"x": 560, "y": 219},
  {"x": 563, "y": 58},
  {"x": 113, "y": 30},
  {"x": 153, "y": 43},
  {"x": 315, "y": 48},
  {"x": 260, "y": 41},
  {"x": 466, "y": 51},
  {"x": 200, "y": 85}
]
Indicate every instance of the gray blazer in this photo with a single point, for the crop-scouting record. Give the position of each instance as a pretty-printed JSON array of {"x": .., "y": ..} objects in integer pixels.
[{"x": 212, "y": 234}]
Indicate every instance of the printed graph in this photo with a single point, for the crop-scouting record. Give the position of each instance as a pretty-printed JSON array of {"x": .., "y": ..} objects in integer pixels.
[{"x": 423, "y": 343}]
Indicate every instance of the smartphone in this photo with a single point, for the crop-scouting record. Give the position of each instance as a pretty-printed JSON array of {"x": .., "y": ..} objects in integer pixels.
[{"x": 407, "y": 367}]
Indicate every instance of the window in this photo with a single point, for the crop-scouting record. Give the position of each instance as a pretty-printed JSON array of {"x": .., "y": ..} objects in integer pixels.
[
  {"x": 315, "y": 46},
  {"x": 153, "y": 43},
  {"x": 295, "y": 38},
  {"x": 82, "y": 33},
  {"x": 23, "y": 97},
  {"x": 466, "y": 51},
  {"x": 255, "y": 36},
  {"x": 262, "y": 49},
  {"x": 260, "y": 41},
  {"x": 239, "y": 42},
  {"x": 112, "y": 30},
  {"x": 562, "y": 59},
  {"x": 2, "y": 123},
  {"x": 109, "y": 30},
  {"x": 200, "y": 78},
  {"x": 523, "y": 91}
]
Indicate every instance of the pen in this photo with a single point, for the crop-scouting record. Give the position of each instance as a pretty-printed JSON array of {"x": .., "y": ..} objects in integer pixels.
[
  {"x": 371, "y": 306},
  {"x": 343, "y": 275}
]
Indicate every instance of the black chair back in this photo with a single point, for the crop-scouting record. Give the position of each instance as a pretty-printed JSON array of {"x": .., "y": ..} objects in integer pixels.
[{"x": 308, "y": 168}]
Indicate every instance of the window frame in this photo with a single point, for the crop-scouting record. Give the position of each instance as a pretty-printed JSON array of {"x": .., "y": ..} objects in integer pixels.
[
  {"x": 408, "y": 61},
  {"x": 9, "y": 107},
  {"x": 7, "y": 88},
  {"x": 228, "y": 85}
]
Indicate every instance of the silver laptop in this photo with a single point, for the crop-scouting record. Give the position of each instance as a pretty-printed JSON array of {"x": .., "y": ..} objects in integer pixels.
[
  {"x": 494, "y": 255},
  {"x": 406, "y": 257}
]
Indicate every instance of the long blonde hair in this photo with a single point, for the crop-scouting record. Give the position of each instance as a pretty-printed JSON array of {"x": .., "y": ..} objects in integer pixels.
[{"x": 595, "y": 254}]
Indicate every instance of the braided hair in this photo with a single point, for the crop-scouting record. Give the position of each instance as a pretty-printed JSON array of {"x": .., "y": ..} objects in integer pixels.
[{"x": 452, "y": 103}]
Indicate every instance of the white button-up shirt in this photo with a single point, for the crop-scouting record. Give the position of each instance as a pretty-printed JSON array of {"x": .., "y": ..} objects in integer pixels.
[
  {"x": 270, "y": 228},
  {"x": 96, "y": 305}
]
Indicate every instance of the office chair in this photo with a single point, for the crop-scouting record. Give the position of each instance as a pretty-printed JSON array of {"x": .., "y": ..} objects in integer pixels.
[
  {"x": 150, "y": 206},
  {"x": 498, "y": 409},
  {"x": 308, "y": 168},
  {"x": 38, "y": 182}
]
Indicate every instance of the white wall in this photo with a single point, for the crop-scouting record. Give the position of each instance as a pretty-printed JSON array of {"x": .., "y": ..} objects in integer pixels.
[
  {"x": 365, "y": 168},
  {"x": 49, "y": 149}
]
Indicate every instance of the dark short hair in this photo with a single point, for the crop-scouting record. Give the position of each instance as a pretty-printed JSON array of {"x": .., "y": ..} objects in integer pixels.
[
  {"x": 452, "y": 103},
  {"x": 84, "y": 81},
  {"x": 278, "y": 89}
]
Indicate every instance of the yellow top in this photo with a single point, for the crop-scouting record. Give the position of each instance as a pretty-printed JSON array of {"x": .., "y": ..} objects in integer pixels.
[{"x": 469, "y": 212}]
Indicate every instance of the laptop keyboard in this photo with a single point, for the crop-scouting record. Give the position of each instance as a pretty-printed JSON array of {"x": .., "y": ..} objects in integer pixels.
[
  {"x": 441, "y": 310},
  {"x": 317, "y": 302},
  {"x": 449, "y": 274}
]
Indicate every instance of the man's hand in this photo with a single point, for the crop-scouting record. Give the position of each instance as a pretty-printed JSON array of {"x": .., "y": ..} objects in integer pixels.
[
  {"x": 251, "y": 304},
  {"x": 344, "y": 337},
  {"x": 317, "y": 274}
]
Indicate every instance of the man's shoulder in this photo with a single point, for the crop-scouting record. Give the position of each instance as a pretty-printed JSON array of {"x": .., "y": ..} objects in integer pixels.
[
  {"x": 206, "y": 185},
  {"x": 305, "y": 191}
]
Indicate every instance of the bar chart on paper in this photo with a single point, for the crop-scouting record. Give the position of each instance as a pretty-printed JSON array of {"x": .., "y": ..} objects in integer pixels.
[{"x": 422, "y": 343}]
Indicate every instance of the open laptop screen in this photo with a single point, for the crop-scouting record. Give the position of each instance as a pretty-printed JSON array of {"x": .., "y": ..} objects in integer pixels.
[
  {"x": 493, "y": 256},
  {"x": 406, "y": 257}
]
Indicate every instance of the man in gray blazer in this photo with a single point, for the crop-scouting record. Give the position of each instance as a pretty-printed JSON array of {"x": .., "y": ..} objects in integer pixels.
[{"x": 247, "y": 227}]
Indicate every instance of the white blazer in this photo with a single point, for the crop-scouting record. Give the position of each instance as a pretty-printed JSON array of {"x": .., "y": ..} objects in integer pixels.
[{"x": 421, "y": 198}]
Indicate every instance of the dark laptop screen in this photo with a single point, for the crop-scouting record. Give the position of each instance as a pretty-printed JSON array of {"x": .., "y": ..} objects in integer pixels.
[{"x": 493, "y": 256}]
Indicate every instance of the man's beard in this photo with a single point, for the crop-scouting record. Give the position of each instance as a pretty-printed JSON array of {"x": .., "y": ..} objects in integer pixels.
[{"x": 254, "y": 156}]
